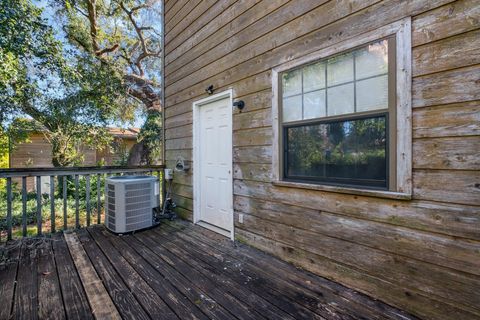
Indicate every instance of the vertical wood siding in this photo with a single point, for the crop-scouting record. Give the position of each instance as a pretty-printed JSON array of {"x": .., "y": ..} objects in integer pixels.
[{"x": 422, "y": 255}]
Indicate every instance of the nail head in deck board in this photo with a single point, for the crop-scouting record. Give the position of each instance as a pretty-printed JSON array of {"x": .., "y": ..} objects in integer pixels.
[
  {"x": 148, "y": 298},
  {"x": 100, "y": 301},
  {"x": 50, "y": 302},
  {"x": 73, "y": 293}
]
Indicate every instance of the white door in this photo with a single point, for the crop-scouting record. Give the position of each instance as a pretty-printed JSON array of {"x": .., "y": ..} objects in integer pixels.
[{"x": 213, "y": 161}]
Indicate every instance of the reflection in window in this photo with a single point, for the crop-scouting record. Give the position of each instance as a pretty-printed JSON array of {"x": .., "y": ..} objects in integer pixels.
[
  {"x": 351, "y": 152},
  {"x": 348, "y": 83}
]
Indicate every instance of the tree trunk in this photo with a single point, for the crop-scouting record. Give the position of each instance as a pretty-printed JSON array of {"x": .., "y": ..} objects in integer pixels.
[{"x": 140, "y": 154}]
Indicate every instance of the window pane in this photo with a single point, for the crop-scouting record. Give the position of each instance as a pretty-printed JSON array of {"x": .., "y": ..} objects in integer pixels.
[
  {"x": 292, "y": 83},
  {"x": 314, "y": 77},
  {"x": 372, "y": 94},
  {"x": 351, "y": 152},
  {"x": 292, "y": 108},
  {"x": 340, "y": 100},
  {"x": 372, "y": 60},
  {"x": 340, "y": 69},
  {"x": 314, "y": 104}
]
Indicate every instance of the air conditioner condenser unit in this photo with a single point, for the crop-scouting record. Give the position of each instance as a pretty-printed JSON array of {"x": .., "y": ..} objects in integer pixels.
[{"x": 129, "y": 202}]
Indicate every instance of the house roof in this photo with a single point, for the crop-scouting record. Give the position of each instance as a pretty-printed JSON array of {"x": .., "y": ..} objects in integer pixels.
[
  {"x": 130, "y": 133},
  {"x": 124, "y": 133}
]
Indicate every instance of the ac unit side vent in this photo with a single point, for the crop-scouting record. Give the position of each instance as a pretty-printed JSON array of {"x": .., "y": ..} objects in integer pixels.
[
  {"x": 137, "y": 206},
  {"x": 136, "y": 219},
  {"x": 139, "y": 212},
  {"x": 137, "y": 186},
  {"x": 140, "y": 198},
  {"x": 137, "y": 226}
]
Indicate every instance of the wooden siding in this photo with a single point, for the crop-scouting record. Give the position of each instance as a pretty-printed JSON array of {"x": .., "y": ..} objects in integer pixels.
[{"x": 422, "y": 255}]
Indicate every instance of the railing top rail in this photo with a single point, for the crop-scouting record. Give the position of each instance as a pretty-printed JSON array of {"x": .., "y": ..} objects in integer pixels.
[{"x": 35, "y": 172}]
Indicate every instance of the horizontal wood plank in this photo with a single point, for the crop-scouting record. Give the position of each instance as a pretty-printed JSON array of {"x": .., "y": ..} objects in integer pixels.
[
  {"x": 458, "y": 119},
  {"x": 458, "y": 153},
  {"x": 462, "y": 187},
  {"x": 453, "y": 86},
  {"x": 448, "y": 20},
  {"x": 455, "y": 52}
]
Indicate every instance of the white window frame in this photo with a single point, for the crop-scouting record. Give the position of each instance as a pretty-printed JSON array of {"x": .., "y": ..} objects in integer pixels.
[{"x": 402, "y": 31}]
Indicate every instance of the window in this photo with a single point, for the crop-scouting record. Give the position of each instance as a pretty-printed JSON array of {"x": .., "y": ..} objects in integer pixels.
[
  {"x": 342, "y": 115},
  {"x": 338, "y": 118}
]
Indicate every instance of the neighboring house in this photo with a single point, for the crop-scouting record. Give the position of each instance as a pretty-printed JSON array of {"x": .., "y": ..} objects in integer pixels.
[
  {"x": 37, "y": 153},
  {"x": 356, "y": 155}
]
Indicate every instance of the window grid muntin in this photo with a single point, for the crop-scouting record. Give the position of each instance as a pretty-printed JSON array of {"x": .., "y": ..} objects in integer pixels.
[{"x": 355, "y": 52}]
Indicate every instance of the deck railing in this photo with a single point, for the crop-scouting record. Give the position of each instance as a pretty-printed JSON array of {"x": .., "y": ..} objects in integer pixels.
[{"x": 78, "y": 187}]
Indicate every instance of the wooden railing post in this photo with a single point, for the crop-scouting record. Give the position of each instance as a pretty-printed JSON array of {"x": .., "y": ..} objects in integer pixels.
[
  {"x": 24, "y": 206},
  {"x": 77, "y": 204},
  {"x": 39, "y": 205},
  {"x": 9, "y": 208},
  {"x": 52, "y": 204},
  {"x": 65, "y": 202},
  {"x": 87, "y": 197},
  {"x": 99, "y": 205}
]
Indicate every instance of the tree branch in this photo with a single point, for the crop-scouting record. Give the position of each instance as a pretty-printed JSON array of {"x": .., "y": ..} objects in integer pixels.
[
  {"x": 107, "y": 50},
  {"x": 92, "y": 17}
]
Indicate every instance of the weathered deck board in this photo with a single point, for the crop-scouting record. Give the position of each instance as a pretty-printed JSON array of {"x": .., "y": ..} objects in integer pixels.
[
  {"x": 329, "y": 293},
  {"x": 176, "y": 271},
  {"x": 102, "y": 306},
  {"x": 121, "y": 296},
  {"x": 73, "y": 294},
  {"x": 50, "y": 305},
  {"x": 138, "y": 254},
  {"x": 26, "y": 293},
  {"x": 7, "y": 281},
  {"x": 254, "y": 282}
]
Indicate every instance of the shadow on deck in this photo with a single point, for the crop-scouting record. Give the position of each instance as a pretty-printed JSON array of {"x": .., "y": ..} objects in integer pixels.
[{"x": 175, "y": 271}]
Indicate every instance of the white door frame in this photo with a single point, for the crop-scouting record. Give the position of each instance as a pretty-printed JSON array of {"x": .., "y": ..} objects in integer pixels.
[{"x": 196, "y": 159}]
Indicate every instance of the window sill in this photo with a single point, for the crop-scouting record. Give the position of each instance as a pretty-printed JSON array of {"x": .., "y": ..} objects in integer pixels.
[{"x": 335, "y": 189}]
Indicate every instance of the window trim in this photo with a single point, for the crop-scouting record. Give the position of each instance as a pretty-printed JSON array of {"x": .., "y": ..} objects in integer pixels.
[{"x": 401, "y": 186}]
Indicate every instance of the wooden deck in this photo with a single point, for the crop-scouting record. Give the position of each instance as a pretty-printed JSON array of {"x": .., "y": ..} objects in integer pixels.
[{"x": 175, "y": 271}]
